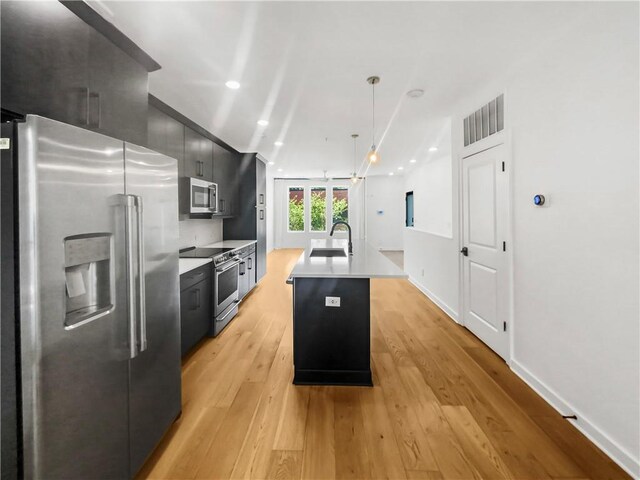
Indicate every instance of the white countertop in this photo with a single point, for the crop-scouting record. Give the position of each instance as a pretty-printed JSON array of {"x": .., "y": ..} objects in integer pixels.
[
  {"x": 230, "y": 244},
  {"x": 366, "y": 262},
  {"x": 187, "y": 264}
]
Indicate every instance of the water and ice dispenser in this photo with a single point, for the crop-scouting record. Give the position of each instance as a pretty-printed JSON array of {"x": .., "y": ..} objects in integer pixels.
[{"x": 88, "y": 278}]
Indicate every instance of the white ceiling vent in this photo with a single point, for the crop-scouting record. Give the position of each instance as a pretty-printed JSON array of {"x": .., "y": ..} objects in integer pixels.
[{"x": 485, "y": 121}]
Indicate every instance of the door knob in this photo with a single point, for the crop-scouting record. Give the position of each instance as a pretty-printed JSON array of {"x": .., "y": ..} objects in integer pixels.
[{"x": 465, "y": 251}]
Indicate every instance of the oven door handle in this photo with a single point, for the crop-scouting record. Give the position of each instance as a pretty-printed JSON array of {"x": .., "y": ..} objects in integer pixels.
[{"x": 231, "y": 265}]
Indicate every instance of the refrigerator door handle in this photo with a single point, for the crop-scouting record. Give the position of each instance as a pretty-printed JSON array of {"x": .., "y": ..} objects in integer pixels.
[
  {"x": 141, "y": 298},
  {"x": 129, "y": 203}
]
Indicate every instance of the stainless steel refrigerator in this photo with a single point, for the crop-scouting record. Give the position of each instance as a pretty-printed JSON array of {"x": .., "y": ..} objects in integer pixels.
[{"x": 98, "y": 300}]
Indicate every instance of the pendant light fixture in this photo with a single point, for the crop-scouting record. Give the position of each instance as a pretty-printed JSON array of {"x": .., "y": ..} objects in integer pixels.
[
  {"x": 373, "y": 156},
  {"x": 354, "y": 175}
]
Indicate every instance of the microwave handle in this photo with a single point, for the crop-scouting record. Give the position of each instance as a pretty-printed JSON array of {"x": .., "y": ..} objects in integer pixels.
[{"x": 213, "y": 199}]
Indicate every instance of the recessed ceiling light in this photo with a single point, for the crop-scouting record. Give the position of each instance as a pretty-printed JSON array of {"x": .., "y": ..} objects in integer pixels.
[
  {"x": 233, "y": 85},
  {"x": 413, "y": 160},
  {"x": 390, "y": 173},
  {"x": 272, "y": 163},
  {"x": 415, "y": 93},
  {"x": 278, "y": 144},
  {"x": 433, "y": 149},
  {"x": 400, "y": 168},
  {"x": 279, "y": 169},
  {"x": 263, "y": 123}
]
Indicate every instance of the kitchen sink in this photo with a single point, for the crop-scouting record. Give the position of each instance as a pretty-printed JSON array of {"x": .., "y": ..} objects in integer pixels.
[{"x": 328, "y": 252}]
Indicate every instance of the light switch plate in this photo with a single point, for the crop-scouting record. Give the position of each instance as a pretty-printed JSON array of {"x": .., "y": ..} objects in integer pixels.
[{"x": 331, "y": 301}]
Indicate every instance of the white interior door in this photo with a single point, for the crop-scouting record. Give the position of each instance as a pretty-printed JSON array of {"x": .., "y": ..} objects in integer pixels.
[{"x": 486, "y": 279}]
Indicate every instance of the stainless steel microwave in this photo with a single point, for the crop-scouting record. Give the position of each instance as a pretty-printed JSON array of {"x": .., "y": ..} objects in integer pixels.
[{"x": 198, "y": 196}]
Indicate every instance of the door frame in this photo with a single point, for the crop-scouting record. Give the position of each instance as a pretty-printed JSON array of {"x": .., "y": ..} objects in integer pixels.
[
  {"x": 357, "y": 213},
  {"x": 500, "y": 138}
]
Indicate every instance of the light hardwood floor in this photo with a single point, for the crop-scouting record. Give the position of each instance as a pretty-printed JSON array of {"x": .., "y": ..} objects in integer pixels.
[{"x": 443, "y": 405}]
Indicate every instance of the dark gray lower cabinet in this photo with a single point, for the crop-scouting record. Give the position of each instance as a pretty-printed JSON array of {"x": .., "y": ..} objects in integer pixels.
[
  {"x": 251, "y": 268},
  {"x": 331, "y": 345},
  {"x": 243, "y": 279},
  {"x": 247, "y": 280},
  {"x": 195, "y": 306}
]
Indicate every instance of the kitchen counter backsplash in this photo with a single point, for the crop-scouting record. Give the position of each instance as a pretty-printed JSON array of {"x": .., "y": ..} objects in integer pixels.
[{"x": 200, "y": 231}]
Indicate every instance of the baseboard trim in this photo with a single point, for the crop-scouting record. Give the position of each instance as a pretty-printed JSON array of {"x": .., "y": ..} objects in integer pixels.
[
  {"x": 434, "y": 298},
  {"x": 591, "y": 431}
]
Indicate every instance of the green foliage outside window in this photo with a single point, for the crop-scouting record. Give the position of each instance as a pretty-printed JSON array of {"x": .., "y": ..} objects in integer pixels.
[
  {"x": 296, "y": 215},
  {"x": 318, "y": 212}
]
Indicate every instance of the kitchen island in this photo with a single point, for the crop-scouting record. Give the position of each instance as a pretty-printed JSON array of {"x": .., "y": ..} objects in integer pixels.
[{"x": 331, "y": 311}]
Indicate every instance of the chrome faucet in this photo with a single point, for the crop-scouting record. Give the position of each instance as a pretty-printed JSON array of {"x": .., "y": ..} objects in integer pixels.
[{"x": 349, "y": 228}]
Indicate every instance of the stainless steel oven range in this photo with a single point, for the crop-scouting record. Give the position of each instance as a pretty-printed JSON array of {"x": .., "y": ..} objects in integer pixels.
[{"x": 225, "y": 292}]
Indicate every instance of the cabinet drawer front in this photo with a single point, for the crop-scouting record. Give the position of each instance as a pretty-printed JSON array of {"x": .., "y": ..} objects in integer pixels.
[{"x": 192, "y": 277}]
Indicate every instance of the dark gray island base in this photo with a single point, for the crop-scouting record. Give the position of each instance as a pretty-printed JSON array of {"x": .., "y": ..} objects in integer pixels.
[
  {"x": 332, "y": 312},
  {"x": 331, "y": 345}
]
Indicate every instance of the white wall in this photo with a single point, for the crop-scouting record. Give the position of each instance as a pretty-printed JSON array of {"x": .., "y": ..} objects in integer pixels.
[
  {"x": 431, "y": 246},
  {"x": 286, "y": 239},
  {"x": 385, "y": 212},
  {"x": 432, "y": 186},
  {"x": 270, "y": 212},
  {"x": 199, "y": 232},
  {"x": 572, "y": 118}
]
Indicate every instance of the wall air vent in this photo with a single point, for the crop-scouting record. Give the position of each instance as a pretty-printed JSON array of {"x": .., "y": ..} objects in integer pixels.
[{"x": 485, "y": 121}]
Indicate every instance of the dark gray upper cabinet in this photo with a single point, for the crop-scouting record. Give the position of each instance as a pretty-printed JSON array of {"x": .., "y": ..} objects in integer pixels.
[
  {"x": 250, "y": 222},
  {"x": 175, "y": 142},
  {"x": 118, "y": 89},
  {"x": 157, "y": 130},
  {"x": 206, "y": 157},
  {"x": 57, "y": 66},
  {"x": 166, "y": 135},
  {"x": 225, "y": 174},
  {"x": 198, "y": 155},
  {"x": 44, "y": 49}
]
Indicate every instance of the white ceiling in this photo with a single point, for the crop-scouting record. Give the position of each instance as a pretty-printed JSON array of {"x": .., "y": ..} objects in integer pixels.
[{"x": 303, "y": 67}]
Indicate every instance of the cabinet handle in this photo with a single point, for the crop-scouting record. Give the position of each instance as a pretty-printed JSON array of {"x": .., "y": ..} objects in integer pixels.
[
  {"x": 95, "y": 105},
  {"x": 262, "y": 199},
  {"x": 222, "y": 204},
  {"x": 196, "y": 294},
  {"x": 250, "y": 263},
  {"x": 261, "y": 214},
  {"x": 84, "y": 106},
  {"x": 199, "y": 168}
]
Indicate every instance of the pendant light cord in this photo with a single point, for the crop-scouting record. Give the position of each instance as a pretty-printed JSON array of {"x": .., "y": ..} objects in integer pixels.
[
  {"x": 373, "y": 114},
  {"x": 354, "y": 154}
]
